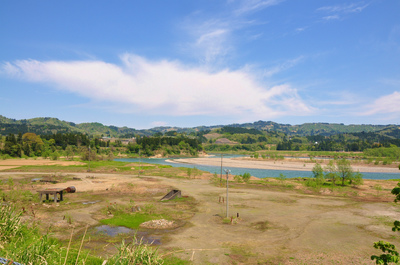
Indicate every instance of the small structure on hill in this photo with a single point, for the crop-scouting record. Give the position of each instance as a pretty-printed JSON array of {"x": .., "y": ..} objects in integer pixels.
[{"x": 172, "y": 195}]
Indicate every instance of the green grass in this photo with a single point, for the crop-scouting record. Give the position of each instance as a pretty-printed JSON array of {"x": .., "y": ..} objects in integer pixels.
[
  {"x": 130, "y": 220},
  {"x": 24, "y": 244},
  {"x": 175, "y": 261}
]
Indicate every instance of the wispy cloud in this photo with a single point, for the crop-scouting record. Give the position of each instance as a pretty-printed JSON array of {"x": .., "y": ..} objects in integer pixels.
[
  {"x": 387, "y": 105},
  {"x": 212, "y": 37},
  {"x": 345, "y": 8},
  {"x": 164, "y": 87},
  {"x": 248, "y": 6},
  {"x": 340, "y": 98},
  {"x": 334, "y": 17},
  {"x": 338, "y": 11},
  {"x": 211, "y": 41},
  {"x": 283, "y": 66}
]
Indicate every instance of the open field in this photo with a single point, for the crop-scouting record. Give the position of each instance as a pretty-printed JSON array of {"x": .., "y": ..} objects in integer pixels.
[{"x": 280, "y": 222}]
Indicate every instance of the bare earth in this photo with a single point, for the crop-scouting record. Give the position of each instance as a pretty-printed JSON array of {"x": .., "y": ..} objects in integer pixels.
[
  {"x": 286, "y": 164},
  {"x": 14, "y": 163},
  {"x": 274, "y": 226}
]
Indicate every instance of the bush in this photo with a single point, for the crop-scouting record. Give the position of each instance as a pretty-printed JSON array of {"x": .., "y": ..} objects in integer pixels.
[
  {"x": 387, "y": 161},
  {"x": 215, "y": 179},
  {"x": 357, "y": 179},
  {"x": 311, "y": 183},
  {"x": 238, "y": 178},
  {"x": 281, "y": 177},
  {"x": 246, "y": 177},
  {"x": 54, "y": 156}
]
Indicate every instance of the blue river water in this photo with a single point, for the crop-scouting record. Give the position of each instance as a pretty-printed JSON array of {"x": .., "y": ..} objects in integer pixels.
[{"x": 259, "y": 173}]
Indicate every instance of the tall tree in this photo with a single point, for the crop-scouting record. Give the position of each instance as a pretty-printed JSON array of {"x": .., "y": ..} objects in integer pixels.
[
  {"x": 331, "y": 171},
  {"x": 344, "y": 170}
]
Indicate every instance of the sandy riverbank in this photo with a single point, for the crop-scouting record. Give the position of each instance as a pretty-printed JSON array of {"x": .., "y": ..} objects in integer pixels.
[{"x": 285, "y": 164}]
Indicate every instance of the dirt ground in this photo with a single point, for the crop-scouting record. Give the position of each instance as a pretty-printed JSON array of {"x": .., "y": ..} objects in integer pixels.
[
  {"x": 15, "y": 163},
  {"x": 275, "y": 226},
  {"x": 286, "y": 164}
]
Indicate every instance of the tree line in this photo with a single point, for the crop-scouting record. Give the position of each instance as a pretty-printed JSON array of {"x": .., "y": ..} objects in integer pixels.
[
  {"x": 168, "y": 145},
  {"x": 53, "y": 145}
]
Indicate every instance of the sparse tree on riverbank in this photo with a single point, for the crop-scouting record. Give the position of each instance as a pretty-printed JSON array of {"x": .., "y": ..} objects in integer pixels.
[{"x": 344, "y": 170}]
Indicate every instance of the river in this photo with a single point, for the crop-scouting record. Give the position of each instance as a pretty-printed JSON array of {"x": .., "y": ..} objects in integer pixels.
[{"x": 259, "y": 173}]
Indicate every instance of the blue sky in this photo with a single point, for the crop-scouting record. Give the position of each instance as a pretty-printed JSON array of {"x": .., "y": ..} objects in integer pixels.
[{"x": 185, "y": 63}]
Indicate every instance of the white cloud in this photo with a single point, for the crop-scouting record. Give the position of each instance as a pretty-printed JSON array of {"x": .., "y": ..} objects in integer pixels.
[
  {"x": 212, "y": 39},
  {"x": 209, "y": 39},
  {"x": 255, "y": 5},
  {"x": 214, "y": 44},
  {"x": 388, "y": 105},
  {"x": 164, "y": 87},
  {"x": 336, "y": 12},
  {"x": 345, "y": 8},
  {"x": 282, "y": 67},
  {"x": 334, "y": 17}
]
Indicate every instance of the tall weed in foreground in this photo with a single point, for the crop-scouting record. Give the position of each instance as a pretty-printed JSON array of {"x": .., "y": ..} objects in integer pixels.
[
  {"x": 10, "y": 225},
  {"x": 21, "y": 243},
  {"x": 136, "y": 254},
  {"x": 24, "y": 244}
]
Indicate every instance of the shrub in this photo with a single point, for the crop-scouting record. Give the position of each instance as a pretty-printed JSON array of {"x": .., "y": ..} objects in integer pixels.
[
  {"x": 238, "y": 178},
  {"x": 281, "y": 177},
  {"x": 215, "y": 179},
  {"x": 246, "y": 177},
  {"x": 54, "y": 156}
]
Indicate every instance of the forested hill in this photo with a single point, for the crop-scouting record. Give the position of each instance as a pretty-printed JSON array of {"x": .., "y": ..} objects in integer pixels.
[{"x": 43, "y": 126}]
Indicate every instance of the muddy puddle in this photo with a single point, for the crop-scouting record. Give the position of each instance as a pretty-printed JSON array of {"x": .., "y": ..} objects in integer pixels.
[{"x": 141, "y": 236}]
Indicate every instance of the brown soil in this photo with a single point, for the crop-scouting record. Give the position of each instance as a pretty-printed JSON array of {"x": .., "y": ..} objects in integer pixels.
[
  {"x": 286, "y": 164},
  {"x": 38, "y": 162}
]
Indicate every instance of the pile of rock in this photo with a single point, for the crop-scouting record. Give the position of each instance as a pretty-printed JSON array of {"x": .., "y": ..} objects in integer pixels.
[{"x": 158, "y": 224}]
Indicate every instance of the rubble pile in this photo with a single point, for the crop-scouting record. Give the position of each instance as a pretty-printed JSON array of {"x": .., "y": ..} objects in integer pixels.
[{"x": 158, "y": 224}]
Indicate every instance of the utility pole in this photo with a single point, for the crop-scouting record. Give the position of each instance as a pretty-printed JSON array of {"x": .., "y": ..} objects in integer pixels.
[
  {"x": 227, "y": 192},
  {"x": 139, "y": 163},
  {"x": 220, "y": 178},
  {"x": 89, "y": 159}
]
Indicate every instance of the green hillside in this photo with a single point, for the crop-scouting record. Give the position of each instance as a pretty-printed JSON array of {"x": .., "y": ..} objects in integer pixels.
[{"x": 47, "y": 125}]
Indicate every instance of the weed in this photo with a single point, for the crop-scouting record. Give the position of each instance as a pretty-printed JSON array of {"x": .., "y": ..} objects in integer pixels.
[
  {"x": 261, "y": 226},
  {"x": 68, "y": 217},
  {"x": 138, "y": 253}
]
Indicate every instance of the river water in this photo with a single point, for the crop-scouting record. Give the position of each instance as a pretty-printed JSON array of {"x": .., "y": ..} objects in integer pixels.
[{"x": 259, "y": 173}]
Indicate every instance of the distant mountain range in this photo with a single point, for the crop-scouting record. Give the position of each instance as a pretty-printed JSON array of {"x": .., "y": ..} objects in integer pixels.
[{"x": 53, "y": 125}]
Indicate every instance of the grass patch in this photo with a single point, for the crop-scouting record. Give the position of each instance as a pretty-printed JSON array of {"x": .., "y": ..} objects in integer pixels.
[
  {"x": 261, "y": 226},
  {"x": 175, "y": 261},
  {"x": 385, "y": 220},
  {"x": 130, "y": 220}
]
